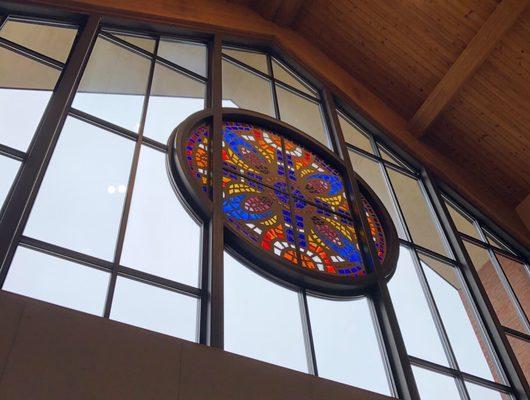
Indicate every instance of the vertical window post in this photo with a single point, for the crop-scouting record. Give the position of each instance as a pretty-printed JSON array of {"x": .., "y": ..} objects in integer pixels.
[
  {"x": 403, "y": 377},
  {"x": 215, "y": 267},
  {"x": 493, "y": 327},
  {"x": 38, "y": 157}
]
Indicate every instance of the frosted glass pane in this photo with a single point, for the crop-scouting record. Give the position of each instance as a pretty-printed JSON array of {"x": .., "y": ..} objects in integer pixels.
[
  {"x": 52, "y": 41},
  {"x": 191, "y": 56},
  {"x": 154, "y": 308},
  {"x": 302, "y": 114},
  {"x": 462, "y": 223},
  {"x": 354, "y": 136},
  {"x": 253, "y": 59},
  {"x": 161, "y": 238},
  {"x": 371, "y": 172},
  {"x": 434, "y": 386},
  {"x": 414, "y": 316},
  {"x": 285, "y": 75},
  {"x": 57, "y": 281},
  {"x": 462, "y": 329},
  {"x": 247, "y": 90},
  {"x": 419, "y": 217},
  {"x": 8, "y": 172},
  {"x": 262, "y": 319},
  {"x": 25, "y": 89},
  {"x": 79, "y": 204},
  {"x": 114, "y": 85},
  {"x": 174, "y": 97},
  {"x": 346, "y": 344},
  {"x": 141, "y": 42}
]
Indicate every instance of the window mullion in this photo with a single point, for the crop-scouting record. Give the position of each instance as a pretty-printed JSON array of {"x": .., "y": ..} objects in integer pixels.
[
  {"x": 401, "y": 368},
  {"x": 478, "y": 294},
  {"x": 130, "y": 188},
  {"x": 16, "y": 211}
]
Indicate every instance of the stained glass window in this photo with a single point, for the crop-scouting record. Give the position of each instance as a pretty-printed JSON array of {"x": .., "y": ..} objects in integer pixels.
[{"x": 285, "y": 199}]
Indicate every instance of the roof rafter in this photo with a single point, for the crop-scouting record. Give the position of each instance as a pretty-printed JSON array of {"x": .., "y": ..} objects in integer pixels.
[{"x": 476, "y": 52}]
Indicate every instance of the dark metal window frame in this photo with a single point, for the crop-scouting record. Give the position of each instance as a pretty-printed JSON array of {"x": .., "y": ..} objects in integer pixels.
[{"x": 22, "y": 195}]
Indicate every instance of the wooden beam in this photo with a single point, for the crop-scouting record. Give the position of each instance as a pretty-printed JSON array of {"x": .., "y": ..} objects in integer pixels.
[
  {"x": 282, "y": 12},
  {"x": 478, "y": 49}
]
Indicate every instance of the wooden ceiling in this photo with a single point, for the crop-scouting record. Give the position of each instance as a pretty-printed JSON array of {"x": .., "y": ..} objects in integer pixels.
[{"x": 403, "y": 50}]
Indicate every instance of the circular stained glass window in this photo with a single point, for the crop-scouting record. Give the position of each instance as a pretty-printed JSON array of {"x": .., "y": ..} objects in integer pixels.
[{"x": 287, "y": 204}]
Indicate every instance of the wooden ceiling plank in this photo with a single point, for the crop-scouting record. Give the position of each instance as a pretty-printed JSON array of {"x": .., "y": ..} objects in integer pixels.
[
  {"x": 502, "y": 19},
  {"x": 288, "y": 12},
  {"x": 267, "y": 9}
]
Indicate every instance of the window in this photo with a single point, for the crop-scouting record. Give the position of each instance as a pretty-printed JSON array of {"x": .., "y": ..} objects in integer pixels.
[{"x": 98, "y": 227}]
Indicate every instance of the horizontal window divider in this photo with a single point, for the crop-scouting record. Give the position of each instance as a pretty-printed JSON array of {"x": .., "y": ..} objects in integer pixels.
[
  {"x": 419, "y": 362},
  {"x": 56, "y": 21},
  {"x": 299, "y": 92},
  {"x": 154, "y": 144},
  {"x": 100, "y": 123},
  {"x": 109, "y": 37},
  {"x": 497, "y": 250},
  {"x": 404, "y": 171},
  {"x": 246, "y": 66},
  {"x": 64, "y": 253},
  {"x": 182, "y": 70},
  {"x": 12, "y": 153},
  {"x": 428, "y": 252},
  {"x": 159, "y": 281},
  {"x": 35, "y": 56},
  {"x": 376, "y": 158},
  {"x": 517, "y": 334}
]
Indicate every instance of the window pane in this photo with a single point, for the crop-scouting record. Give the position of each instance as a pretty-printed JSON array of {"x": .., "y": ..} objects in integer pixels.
[
  {"x": 302, "y": 114},
  {"x": 462, "y": 329},
  {"x": 462, "y": 224},
  {"x": 371, "y": 172},
  {"x": 283, "y": 74},
  {"x": 521, "y": 348},
  {"x": 254, "y": 59},
  {"x": 353, "y": 135},
  {"x": 174, "y": 97},
  {"x": 519, "y": 279},
  {"x": 25, "y": 89},
  {"x": 494, "y": 241},
  {"x": 387, "y": 156},
  {"x": 494, "y": 288},
  {"x": 52, "y": 41},
  {"x": 161, "y": 237},
  {"x": 262, "y": 319},
  {"x": 80, "y": 202},
  {"x": 191, "y": 56},
  {"x": 8, "y": 172},
  {"x": 247, "y": 90},
  {"x": 418, "y": 214},
  {"x": 113, "y": 85},
  {"x": 141, "y": 42},
  {"x": 414, "y": 316},
  {"x": 346, "y": 344},
  {"x": 477, "y": 392},
  {"x": 154, "y": 308},
  {"x": 434, "y": 386},
  {"x": 57, "y": 281}
]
